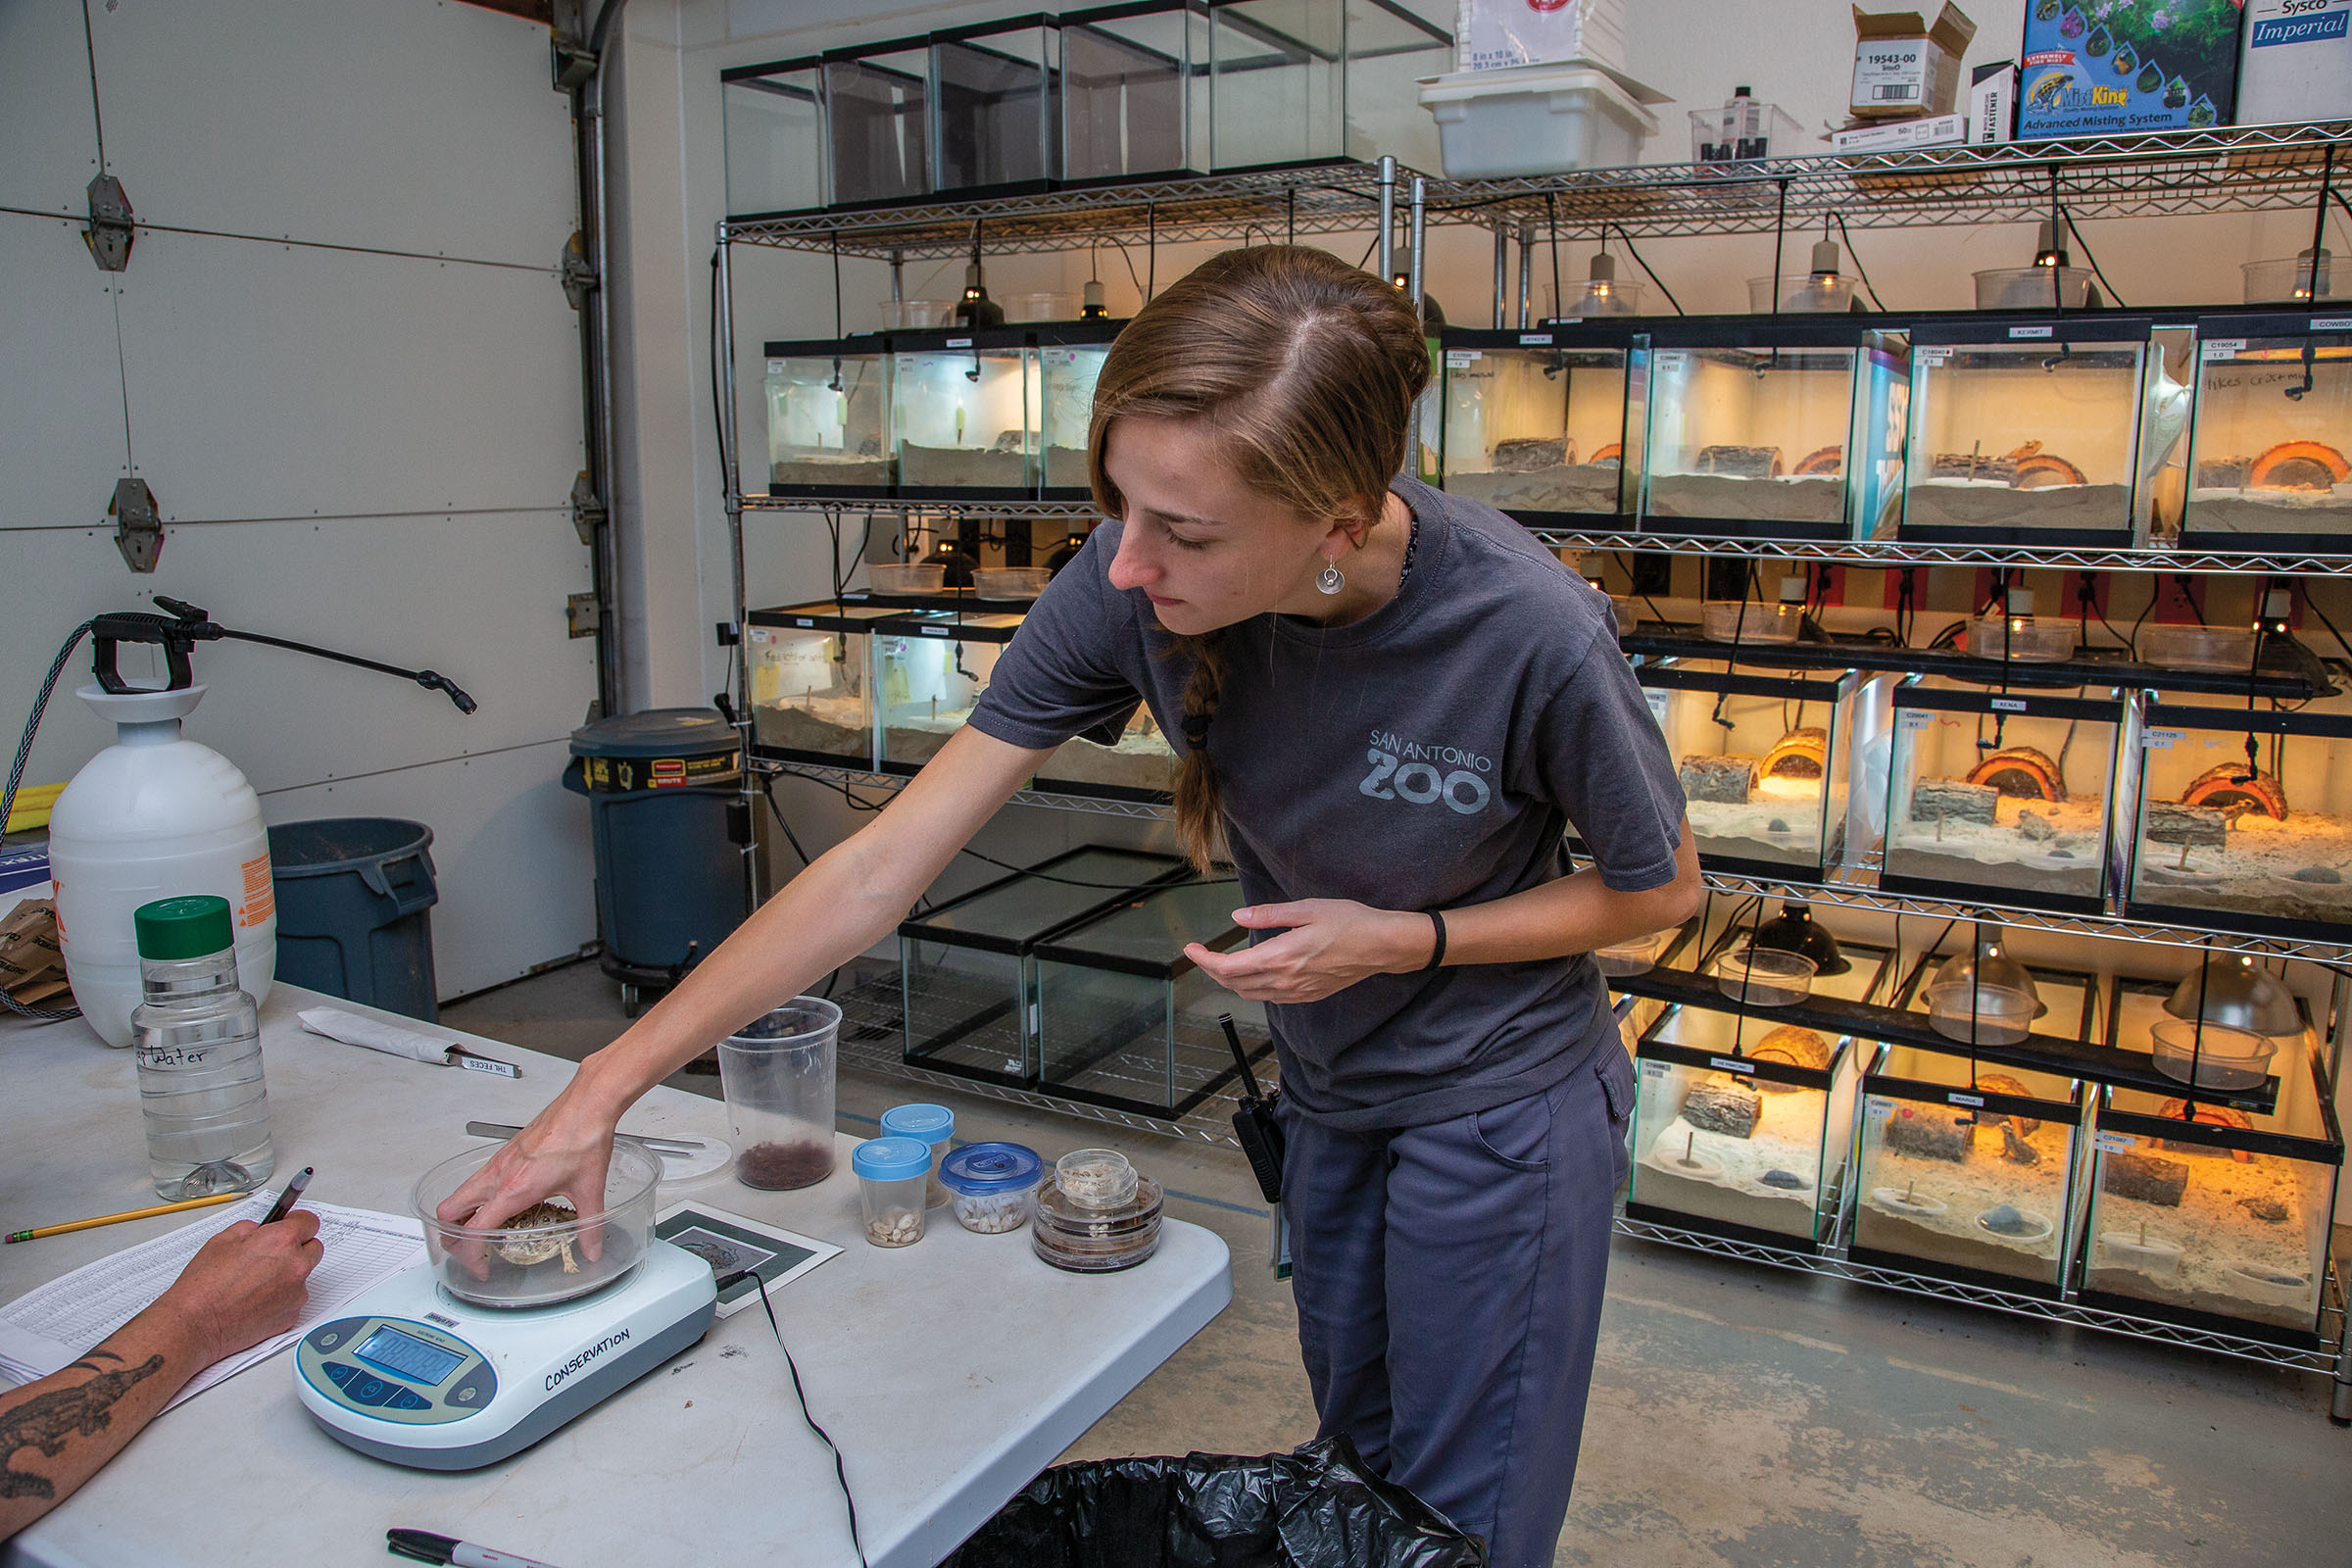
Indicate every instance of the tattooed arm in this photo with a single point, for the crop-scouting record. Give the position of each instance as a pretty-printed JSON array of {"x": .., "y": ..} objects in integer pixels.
[{"x": 243, "y": 1285}]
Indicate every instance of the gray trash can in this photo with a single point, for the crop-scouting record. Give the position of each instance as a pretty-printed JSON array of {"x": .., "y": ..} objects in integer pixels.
[
  {"x": 355, "y": 899},
  {"x": 666, "y": 816}
]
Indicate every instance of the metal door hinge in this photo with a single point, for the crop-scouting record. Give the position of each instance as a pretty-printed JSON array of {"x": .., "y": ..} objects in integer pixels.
[
  {"x": 583, "y": 615},
  {"x": 580, "y": 278},
  {"x": 587, "y": 512},
  {"x": 109, "y": 233},
  {"x": 138, "y": 526},
  {"x": 571, "y": 62}
]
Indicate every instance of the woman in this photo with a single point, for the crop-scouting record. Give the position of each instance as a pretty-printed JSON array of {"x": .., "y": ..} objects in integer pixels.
[{"x": 1391, "y": 702}]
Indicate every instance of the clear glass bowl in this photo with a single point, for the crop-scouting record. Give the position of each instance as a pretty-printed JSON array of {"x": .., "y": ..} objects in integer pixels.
[
  {"x": 2222, "y": 1057},
  {"x": 1728, "y": 620},
  {"x": 1010, "y": 582},
  {"x": 1633, "y": 956},
  {"x": 1041, "y": 306},
  {"x": 2219, "y": 648},
  {"x": 2030, "y": 639},
  {"x": 1627, "y": 618},
  {"x": 907, "y": 579},
  {"x": 1764, "y": 977},
  {"x": 516, "y": 1266},
  {"x": 1803, "y": 294},
  {"x": 910, "y": 313},
  {"x": 2288, "y": 282},
  {"x": 2001, "y": 1014}
]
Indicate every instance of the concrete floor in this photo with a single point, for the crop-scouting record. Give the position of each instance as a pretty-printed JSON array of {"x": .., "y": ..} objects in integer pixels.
[{"x": 1739, "y": 1415}]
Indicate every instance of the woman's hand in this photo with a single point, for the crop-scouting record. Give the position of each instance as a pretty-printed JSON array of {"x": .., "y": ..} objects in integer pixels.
[
  {"x": 1330, "y": 944},
  {"x": 566, "y": 1151}
]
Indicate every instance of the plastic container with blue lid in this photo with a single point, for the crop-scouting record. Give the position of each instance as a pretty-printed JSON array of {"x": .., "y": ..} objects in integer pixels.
[
  {"x": 932, "y": 1125},
  {"x": 890, "y": 1175},
  {"x": 992, "y": 1185}
]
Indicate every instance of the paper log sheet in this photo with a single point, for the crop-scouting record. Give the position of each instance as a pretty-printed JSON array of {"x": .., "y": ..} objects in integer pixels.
[{"x": 48, "y": 1327}]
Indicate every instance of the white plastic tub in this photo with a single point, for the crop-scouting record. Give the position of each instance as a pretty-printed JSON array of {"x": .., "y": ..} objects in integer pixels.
[{"x": 1534, "y": 120}]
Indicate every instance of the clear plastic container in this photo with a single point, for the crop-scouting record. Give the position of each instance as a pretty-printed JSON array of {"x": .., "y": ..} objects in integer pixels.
[
  {"x": 1010, "y": 582},
  {"x": 2287, "y": 281},
  {"x": 1742, "y": 130},
  {"x": 2217, "y": 648},
  {"x": 197, "y": 1042},
  {"x": 1985, "y": 1014},
  {"x": 1041, "y": 306},
  {"x": 1735, "y": 620},
  {"x": 916, "y": 315},
  {"x": 559, "y": 1254},
  {"x": 2025, "y": 639},
  {"x": 1803, "y": 294},
  {"x": 2034, "y": 288},
  {"x": 907, "y": 579},
  {"x": 1637, "y": 955},
  {"x": 891, "y": 1174},
  {"x": 932, "y": 1126},
  {"x": 777, "y": 1076},
  {"x": 1106, "y": 1219},
  {"x": 2221, "y": 1057},
  {"x": 1629, "y": 615},
  {"x": 991, "y": 1186},
  {"x": 1764, "y": 977}
]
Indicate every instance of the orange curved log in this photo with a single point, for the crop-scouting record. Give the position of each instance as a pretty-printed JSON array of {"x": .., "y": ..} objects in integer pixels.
[
  {"x": 1829, "y": 460},
  {"x": 2041, "y": 470},
  {"x": 2231, "y": 789},
  {"x": 2299, "y": 465},
  {"x": 2021, "y": 772}
]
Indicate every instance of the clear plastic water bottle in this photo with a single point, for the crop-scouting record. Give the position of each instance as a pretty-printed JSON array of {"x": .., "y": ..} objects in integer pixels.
[{"x": 198, "y": 1042}]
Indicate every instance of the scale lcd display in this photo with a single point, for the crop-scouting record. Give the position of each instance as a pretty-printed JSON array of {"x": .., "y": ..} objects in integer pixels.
[{"x": 407, "y": 1357}]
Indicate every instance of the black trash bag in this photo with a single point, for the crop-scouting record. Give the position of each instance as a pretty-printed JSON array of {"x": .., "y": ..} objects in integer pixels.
[{"x": 1317, "y": 1508}]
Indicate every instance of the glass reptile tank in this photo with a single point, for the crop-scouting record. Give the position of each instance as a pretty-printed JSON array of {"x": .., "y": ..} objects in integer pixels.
[
  {"x": 1135, "y": 90},
  {"x": 2028, "y": 430},
  {"x": 1536, "y": 421},
  {"x": 828, "y": 418},
  {"x": 2244, "y": 819},
  {"x": 1752, "y": 420},
  {"x": 2271, "y": 435},
  {"x": 967, "y": 967},
  {"x": 996, "y": 106},
  {"x": 1126, "y": 1020},
  {"x": 1069, "y": 361},
  {"x": 2003, "y": 794},
  {"x": 1760, "y": 757},
  {"x": 2212, "y": 1208},
  {"x": 1968, "y": 1171},
  {"x": 1742, "y": 1126},
  {"x": 964, "y": 414},
  {"x": 811, "y": 684}
]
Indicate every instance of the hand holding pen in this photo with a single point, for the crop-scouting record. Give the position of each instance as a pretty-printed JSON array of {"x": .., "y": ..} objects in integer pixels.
[{"x": 286, "y": 1199}]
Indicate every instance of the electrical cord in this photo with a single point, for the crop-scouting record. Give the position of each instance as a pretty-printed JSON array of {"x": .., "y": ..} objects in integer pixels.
[
  {"x": 8, "y": 801},
  {"x": 2112, "y": 298},
  {"x": 1855, "y": 257},
  {"x": 841, "y": 1471},
  {"x": 1627, "y": 240}
]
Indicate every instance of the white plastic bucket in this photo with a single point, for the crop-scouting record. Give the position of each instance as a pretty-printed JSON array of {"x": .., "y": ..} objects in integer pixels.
[{"x": 1534, "y": 120}]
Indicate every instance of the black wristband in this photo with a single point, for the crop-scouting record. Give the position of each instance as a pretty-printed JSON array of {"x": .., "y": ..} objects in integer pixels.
[{"x": 1436, "y": 954}]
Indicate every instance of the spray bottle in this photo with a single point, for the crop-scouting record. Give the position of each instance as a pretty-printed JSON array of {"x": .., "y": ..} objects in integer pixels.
[{"x": 157, "y": 815}]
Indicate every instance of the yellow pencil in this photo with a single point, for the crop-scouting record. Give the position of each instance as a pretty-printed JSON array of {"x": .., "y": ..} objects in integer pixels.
[{"x": 116, "y": 1219}]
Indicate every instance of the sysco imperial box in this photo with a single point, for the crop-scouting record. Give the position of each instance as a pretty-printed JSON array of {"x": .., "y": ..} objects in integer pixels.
[{"x": 2093, "y": 67}]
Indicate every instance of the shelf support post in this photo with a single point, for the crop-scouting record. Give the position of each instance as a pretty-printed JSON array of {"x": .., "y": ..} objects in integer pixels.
[
  {"x": 1420, "y": 209},
  {"x": 722, "y": 329},
  {"x": 1526, "y": 279},
  {"x": 1502, "y": 269},
  {"x": 1388, "y": 215}
]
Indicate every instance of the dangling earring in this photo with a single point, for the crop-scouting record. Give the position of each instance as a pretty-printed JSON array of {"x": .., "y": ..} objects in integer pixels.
[{"x": 1328, "y": 580}]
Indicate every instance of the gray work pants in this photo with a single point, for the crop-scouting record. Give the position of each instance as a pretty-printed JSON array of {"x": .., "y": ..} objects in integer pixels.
[{"x": 1448, "y": 1281}]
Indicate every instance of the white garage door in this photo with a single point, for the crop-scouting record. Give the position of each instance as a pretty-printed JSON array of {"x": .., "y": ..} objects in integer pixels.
[{"x": 342, "y": 359}]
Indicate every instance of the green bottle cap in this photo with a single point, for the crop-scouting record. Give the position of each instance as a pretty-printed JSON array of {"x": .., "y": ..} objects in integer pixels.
[{"x": 184, "y": 928}]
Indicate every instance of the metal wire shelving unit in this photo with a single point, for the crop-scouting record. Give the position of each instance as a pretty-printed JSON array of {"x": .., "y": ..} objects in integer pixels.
[{"x": 2218, "y": 170}]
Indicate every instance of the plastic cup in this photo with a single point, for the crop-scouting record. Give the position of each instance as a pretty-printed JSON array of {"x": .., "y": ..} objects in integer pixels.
[
  {"x": 777, "y": 1075},
  {"x": 891, "y": 1173},
  {"x": 993, "y": 1184},
  {"x": 934, "y": 1127}
]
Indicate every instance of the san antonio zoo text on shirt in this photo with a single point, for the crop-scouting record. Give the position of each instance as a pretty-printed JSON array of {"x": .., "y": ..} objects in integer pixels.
[{"x": 1423, "y": 776}]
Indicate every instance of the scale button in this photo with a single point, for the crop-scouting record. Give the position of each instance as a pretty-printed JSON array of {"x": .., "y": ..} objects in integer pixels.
[
  {"x": 402, "y": 1400},
  {"x": 341, "y": 1372},
  {"x": 369, "y": 1390},
  {"x": 464, "y": 1395}
]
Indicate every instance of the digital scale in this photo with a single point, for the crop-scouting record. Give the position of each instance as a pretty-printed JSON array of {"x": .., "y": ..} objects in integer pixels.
[{"x": 416, "y": 1377}]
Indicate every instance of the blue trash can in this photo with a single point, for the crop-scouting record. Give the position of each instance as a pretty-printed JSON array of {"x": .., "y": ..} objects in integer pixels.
[
  {"x": 667, "y": 820},
  {"x": 355, "y": 899}
]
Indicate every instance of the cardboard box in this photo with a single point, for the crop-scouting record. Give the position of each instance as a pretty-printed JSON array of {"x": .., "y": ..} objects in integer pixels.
[
  {"x": 1992, "y": 101},
  {"x": 2125, "y": 65},
  {"x": 1902, "y": 135},
  {"x": 1906, "y": 67},
  {"x": 2296, "y": 62}
]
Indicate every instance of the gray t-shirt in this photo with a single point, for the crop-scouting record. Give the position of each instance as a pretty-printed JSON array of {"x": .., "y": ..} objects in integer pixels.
[{"x": 1429, "y": 756}]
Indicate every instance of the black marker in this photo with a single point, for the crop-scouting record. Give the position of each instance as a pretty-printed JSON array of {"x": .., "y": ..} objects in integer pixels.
[
  {"x": 423, "y": 1545},
  {"x": 286, "y": 1199}
]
